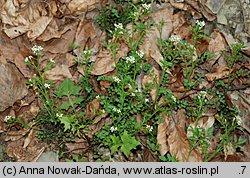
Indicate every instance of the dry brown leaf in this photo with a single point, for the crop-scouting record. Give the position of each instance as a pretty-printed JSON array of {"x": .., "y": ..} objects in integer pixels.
[
  {"x": 12, "y": 85},
  {"x": 79, "y": 146},
  {"x": 150, "y": 45},
  {"x": 154, "y": 77},
  {"x": 80, "y": 6},
  {"x": 179, "y": 146},
  {"x": 105, "y": 62},
  {"x": 61, "y": 45},
  {"x": 59, "y": 73},
  {"x": 92, "y": 108},
  {"x": 246, "y": 50},
  {"x": 28, "y": 139},
  {"x": 219, "y": 73},
  {"x": 162, "y": 138}
]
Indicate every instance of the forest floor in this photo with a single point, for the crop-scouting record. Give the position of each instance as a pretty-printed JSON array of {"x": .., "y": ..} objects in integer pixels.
[{"x": 116, "y": 80}]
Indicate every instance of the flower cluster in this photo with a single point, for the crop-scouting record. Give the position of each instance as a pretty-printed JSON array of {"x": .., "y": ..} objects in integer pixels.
[
  {"x": 116, "y": 110},
  {"x": 36, "y": 49},
  {"x": 116, "y": 79},
  {"x": 87, "y": 52},
  {"x": 7, "y": 118},
  {"x": 201, "y": 24},
  {"x": 130, "y": 59},
  {"x": 52, "y": 61},
  {"x": 150, "y": 128},
  {"x": 146, "y": 6},
  {"x": 237, "y": 119},
  {"x": 59, "y": 115},
  {"x": 112, "y": 129},
  {"x": 175, "y": 38},
  {"x": 46, "y": 85},
  {"x": 140, "y": 53},
  {"x": 173, "y": 98},
  {"x": 119, "y": 28},
  {"x": 27, "y": 59}
]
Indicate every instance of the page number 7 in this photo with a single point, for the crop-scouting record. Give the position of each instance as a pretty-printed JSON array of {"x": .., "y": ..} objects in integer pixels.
[{"x": 243, "y": 169}]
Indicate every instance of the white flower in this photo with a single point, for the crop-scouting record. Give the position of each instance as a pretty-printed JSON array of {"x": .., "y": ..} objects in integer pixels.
[
  {"x": 7, "y": 118},
  {"x": 173, "y": 98},
  {"x": 238, "y": 120},
  {"x": 103, "y": 111},
  {"x": 132, "y": 94},
  {"x": 130, "y": 59},
  {"x": 112, "y": 129},
  {"x": 136, "y": 14},
  {"x": 175, "y": 38},
  {"x": 140, "y": 53},
  {"x": 203, "y": 93},
  {"x": 97, "y": 97},
  {"x": 36, "y": 49},
  {"x": 116, "y": 79},
  {"x": 146, "y": 100},
  {"x": 87, "y": 52},
  {"x": 46, "y": 85},
  {"x": 150, "y": 128},
  {"x": 52, "y": 61},
  {"x": 116, "y": 110},
  {"x": 26, "y": 60},
  {"x": 146, "y": 6},
  {"x": 59, "y": 115},
  {"x": 118, "y": 26},
  {"x": 201, "y": 24}
]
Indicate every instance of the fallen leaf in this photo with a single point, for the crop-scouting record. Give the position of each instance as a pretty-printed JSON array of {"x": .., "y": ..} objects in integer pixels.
[
  {"x": 12, "y": 85},
  {"x": 92, "y": 108},
  {"x": 219, "y": 73},
  {"x": 58, "y": 73},
  {"x": 105, "y": 62},
  {"x": 162, "y": 138},
  {"x": 79, "y": 6},
  {"x": 79, "y": 146}
]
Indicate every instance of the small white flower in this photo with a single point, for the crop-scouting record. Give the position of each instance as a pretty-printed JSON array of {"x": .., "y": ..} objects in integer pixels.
[
  {"x": 26, "y": 60},
  {"x": 146, "y": 100},
  {"x": 52, "y": 61},
  {"x": 7, "y": 118},
  {"x": 103, "y": 111},
  {"x": 175, "y": 38},
  {"x": 116, "y": 110},
  {"x": 136, "y": 14},
  {"x": 130, "y": 59},
  {"x": 201, "y": 24},
  {"x": 36, "y": 49},
  {"x": 116, "y": 79},
  {"x": 173, "y": 98},
  {"x": 112, "y": 129},
  {"x": 146, "y": 6},
  {"x": 59, "y": 115},
  {"x": 46, "y": 85},
  {"x": 97, "y": 97},
  {"x": 118, "y": 26},
  {"x": 150, "y": 128},
  {"x": 238, "y": 120},
  {"x": 132, "y": 94},
  {"x": 140, "y": 53},
  {"x": 203, "y": 93}
]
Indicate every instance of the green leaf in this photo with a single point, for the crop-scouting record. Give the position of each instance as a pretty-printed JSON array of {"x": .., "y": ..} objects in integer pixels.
[
  {"x": 67, "y": 121},
  {"x": 116, "y": 144},
  {"x": 65, "y": 105},
  {"x": 128, "y": 143},
  {"x": 67, "y": 88}
]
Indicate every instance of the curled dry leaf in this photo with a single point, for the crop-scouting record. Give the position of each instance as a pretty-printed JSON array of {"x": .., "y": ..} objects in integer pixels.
[
  {"x": 219, "y": 73},
  {"x": 92, "y": 108},
  {"x": 79, "y": 146},
  {"x": 12, "y": 85},
  {"x": 150, "y": 45},
  {"x": 154, "y": 77},
  {"x": 179, "y": 146},
  {"x": 80, "y": 6},
  {"x": 162, "y": 138},
  {"x": 59, "y": 73},
  {"x": 98, "y": 123},
  {"x": 203, "y": 123},
  {"x": 105, "y": 62}
]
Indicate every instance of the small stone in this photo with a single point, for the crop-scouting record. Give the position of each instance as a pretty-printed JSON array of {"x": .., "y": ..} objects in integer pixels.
[
  {"x": 247, "y": 1},
  {"x": 49, "y": 156},
  {"x": 215, "y": 5},
  {"x": 221, "y": 19},
  {"x": 239, "y": 28}
]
